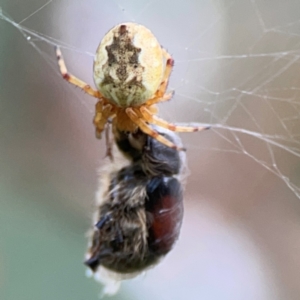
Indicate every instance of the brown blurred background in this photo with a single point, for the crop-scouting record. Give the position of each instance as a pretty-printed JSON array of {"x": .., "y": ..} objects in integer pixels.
[{"x": 237, "y": 65}]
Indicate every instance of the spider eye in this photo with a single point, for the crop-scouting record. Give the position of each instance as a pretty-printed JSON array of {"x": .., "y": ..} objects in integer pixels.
[{"x": 130, "y": 87}]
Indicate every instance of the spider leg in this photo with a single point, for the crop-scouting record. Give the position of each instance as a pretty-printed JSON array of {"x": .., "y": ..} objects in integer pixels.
[
  {"x": 160, "y": 93},
  {"x": 169, "y": 66},
  {"x": 165, "y": 97},
  {"x": 98, "y": 114},
  {"x": 150, "y": 118},
  {"x": 72, "y": 79},
  {"x": 109, "y": 141},
  {"x": 101, "y": 118},
  {"x": 148, "y": 130}
]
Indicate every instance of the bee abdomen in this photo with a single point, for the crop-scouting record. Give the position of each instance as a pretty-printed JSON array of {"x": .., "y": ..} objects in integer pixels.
[{"x": 165, "y": 210}]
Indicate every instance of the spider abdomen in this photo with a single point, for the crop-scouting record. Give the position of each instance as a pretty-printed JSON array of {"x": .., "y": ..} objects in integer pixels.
[{"x": 129, "y": 65}]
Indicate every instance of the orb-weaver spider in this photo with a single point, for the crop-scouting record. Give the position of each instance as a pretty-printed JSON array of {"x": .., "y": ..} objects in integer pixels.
[{"x": 131, "y": 73}]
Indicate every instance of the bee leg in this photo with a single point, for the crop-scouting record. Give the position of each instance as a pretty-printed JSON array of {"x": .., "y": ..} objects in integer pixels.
[
  {"x": 103, "y": 221},
  {"x": 95, "y": 260},
  {"x": 92, "y": 263},
  {"x": 119, "y": 237}
]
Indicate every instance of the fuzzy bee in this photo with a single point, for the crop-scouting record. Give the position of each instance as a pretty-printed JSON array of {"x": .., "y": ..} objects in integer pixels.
[{"x": 139, "y": 207}]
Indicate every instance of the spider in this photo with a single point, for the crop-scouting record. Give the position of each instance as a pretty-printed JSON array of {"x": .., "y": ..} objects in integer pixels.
[{"x": 131, "y": 73}]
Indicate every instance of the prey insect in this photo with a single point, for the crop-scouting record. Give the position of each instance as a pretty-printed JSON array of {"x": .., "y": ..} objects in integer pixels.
[
  {"x": 139, "y": 206},
  {"x": 131, "y": 74}
]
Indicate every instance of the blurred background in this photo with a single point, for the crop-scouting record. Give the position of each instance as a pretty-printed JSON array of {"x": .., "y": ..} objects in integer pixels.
[{"x": 236, "y": 68}]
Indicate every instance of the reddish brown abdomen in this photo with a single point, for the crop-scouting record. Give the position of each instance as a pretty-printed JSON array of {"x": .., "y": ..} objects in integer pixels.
[{"x": 164, "y": 208}]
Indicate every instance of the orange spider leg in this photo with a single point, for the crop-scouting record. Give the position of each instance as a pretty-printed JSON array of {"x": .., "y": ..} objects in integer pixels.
[
  {"x": 101, "y": 118},
  {"x": 168, "y": 70},
  {"x": 155, "y": 100},
  {"x": 148, "y": 130},
  {"x": 98, "y": 120},
  {"x": 160, "y": 93},
  {"x": 150, "y": 118},
  {"x": 98, "y": 115},
  {"x": 72, "y": 79}
]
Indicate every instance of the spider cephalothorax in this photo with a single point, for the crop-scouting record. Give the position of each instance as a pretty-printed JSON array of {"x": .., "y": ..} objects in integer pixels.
[{"x": 131, "y": 73}]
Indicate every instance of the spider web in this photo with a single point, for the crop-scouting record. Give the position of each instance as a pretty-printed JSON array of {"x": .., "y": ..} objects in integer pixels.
[{"x": 237, "y": 69}]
